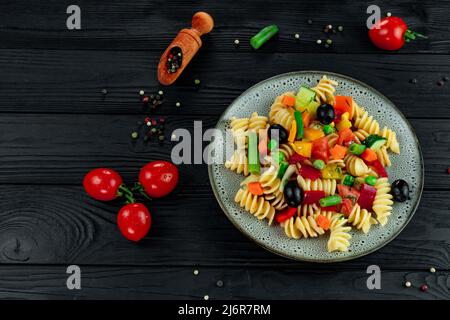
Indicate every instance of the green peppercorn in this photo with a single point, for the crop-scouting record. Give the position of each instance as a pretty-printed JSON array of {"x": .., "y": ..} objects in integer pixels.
[
  {"x": 371, "y": 180},
  {"x": 134, "y": 135},
  {"x": 319, "y": 164},
  {"x": 197, "y": 82}
]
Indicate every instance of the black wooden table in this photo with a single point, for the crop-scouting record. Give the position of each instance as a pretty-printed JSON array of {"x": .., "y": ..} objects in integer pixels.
[{"x": 55, "y": 125}]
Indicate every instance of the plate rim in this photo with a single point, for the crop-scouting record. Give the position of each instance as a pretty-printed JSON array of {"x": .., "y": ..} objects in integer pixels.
[{"x": 305, "y": 259}]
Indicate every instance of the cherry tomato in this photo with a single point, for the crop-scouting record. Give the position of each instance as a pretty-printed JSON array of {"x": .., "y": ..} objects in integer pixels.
[
  {"x": 320, "y": 149},
  {"x": 102, "y": 184},
  {"x": 158, "y": 178},
  {"x": 134, "y": 221}
]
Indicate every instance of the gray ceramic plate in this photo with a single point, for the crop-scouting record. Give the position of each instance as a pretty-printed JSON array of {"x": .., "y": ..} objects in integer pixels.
[{"x": 408, "y": 165}]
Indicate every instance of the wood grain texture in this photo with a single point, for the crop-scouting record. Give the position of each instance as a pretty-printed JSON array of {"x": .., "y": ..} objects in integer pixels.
[
  {"x": 152, "y": 25},
  {"x": 49, "y": 282},
  {"x": 62, "y": 225},
  {"x": 60, "y": 149},
  {"x": 70, "y": 81}
]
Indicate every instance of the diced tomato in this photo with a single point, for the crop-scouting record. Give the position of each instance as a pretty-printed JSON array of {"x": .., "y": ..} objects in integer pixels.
[
  {"x": 285, "y": 214},
  {"x": 347, "y": 206},
  {"x": 367, "y": 196},
  {"x": 296, "y": 158},
  {"x": 309, "y": 172},
  {"x": 348, "y": 192},
  {"x": 320, "y": 149},
  {"x": 343, "y": 104},
  {"x": 312, "y": 197},
  {"x": 345, "y": 136}
]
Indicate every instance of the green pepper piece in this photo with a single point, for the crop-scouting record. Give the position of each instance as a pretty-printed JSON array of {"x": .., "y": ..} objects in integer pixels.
[
  {"x": 348, "y": 180},
  {"x": 357, "y": 149},
  {"x": 283, "y": 167},
  {"x": 330, "y": 201},
  {"x": 299, "y": 120},
  {"x": 371, "y": 180},
  {"x": 328, "y": 129},
  {"x": 277, "y": 156},
  {"x": 263, "y": 36},
  {"x": 253, "y": 154},
  {"x": 319, "y": 164}
]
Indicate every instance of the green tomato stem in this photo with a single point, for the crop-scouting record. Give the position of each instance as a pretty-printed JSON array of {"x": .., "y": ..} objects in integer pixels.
[{"x": 123, "y": 191}]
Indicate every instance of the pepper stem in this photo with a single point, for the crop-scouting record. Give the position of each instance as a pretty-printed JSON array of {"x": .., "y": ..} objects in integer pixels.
[
  {"x": 139, "y": 188},
  {"x": 412, "y": 35},
  {"x": 123, "y": 191}
]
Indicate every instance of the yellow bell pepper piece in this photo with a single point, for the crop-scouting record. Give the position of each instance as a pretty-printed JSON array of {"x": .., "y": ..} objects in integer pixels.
[
  {"x": 303, "y": 148},
  {"x": 332, "y": 171},
  {"x": 312, "y": 134},
  {"x": 345, "y": 122},
  {"x": 292, "y": 131}
]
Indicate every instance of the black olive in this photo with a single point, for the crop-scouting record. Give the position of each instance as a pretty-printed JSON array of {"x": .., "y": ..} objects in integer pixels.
[
  {"x": 293, "y": 194},
  {"x": 282, "y": 133},
  {"x": 325, "y": 113},
  {"x": 400, "y": 190}
]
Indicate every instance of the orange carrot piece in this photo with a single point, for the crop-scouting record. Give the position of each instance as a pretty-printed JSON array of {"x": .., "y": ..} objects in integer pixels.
[
  {"x": 255, "y": 188},
  {"x": 306, "y": 117},
  {"x": 369, "y": 155},
  {"x": 345, "y": 135},
  {"x": 323, "y": 222},
  {"x": 338, "y": 152},
  {"x": 288, "y": 101}
]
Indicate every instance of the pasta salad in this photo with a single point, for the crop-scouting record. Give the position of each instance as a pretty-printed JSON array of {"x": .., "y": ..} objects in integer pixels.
[{"x": 316, "y": 165}]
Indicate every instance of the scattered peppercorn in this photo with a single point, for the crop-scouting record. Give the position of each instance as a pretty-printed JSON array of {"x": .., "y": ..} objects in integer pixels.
[
  {"x": 196, "y": 272},
  {"x": 104, "y": 92},
  {"x": 141, "y": 92},
  {"x": 296, "y": 36},
  {"x": 413, "y": 81},
  {"x": 326, "y": 45},
  {"x": 329, "y": 41},
  {"x": 341, "y": 28},
  {"x": 236, "y": 42},
  {"x": 440, "y": 83},
  {"x": 432, "y": 270},
  {"x": 319, "y": 41},
  {"x": 388, "y": 14},
  {"x": 178, "y": 104},
  {"x": 448, "y": 170},
  {"x": 160, "y": 92},
  {"x": 197, "y": 82},
  {"x": 424, "y": 288},
  {"x": 310, "y": 21},
  {"x": 219, "y": 283},
  {"x": 161, "y": 138},
  {"x": 134, "y": 135},
  {"x": 445, "y": 78},
  {"x": 145, "y": 99},
  {"x": 407, "y": 284},
  {"x": 206, "y": 297}
]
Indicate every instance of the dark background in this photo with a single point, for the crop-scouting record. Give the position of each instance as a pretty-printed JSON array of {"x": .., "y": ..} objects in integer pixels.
[{"x": 55, "y": 125}]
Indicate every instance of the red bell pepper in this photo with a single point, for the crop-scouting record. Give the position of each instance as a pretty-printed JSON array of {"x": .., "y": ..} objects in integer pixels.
[
  {"x": 312, "y": 197},
  {"x": 330, "y": 208},
  {"x": 296, "y": 158},
  {"x": 309, "y": 172},
  {"x": 378, "y": 167},
  {"x": 347, "y": 206},
  {"x": 345, "y": 136},
  {"x": 342, "y": 105},
  {"x": 320, "y": 149},
  {"x": 367, "y": 196},
  {"x": 285, "y": 214}
]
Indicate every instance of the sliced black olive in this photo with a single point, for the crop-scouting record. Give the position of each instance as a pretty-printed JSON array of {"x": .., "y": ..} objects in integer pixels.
[
  {"x": 325, "y": 113},
  {"x": 276, "y": 129},
  {"x": 293, "y": 194},
  {"x": 400, "y": 190}
]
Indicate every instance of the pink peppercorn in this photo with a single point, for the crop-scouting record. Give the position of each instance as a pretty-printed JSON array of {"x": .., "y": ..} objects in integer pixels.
[
  {"x": 424, "y": 288},
  {"x": 448, "y": 170}
]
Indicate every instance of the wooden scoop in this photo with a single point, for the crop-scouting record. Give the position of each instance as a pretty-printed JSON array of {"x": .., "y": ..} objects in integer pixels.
[{"x": 187, "y": 43}]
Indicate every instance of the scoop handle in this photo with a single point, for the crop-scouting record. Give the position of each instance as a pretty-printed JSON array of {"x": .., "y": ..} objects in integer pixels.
[{"x": 202, "y": 23}]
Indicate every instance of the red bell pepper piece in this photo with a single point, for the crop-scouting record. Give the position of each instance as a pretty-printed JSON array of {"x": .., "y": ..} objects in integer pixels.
[
  {"x": 367, "y": 196},
  {"x": 295, "y": 158},
  {"x": 347, "y": 206},
  {"x": 312, "y": 197},
  {"x": 309, "y": 172},
  {"x": 285, "y": 214},
  {"x": 320, "y": 149},
  {"x": 330, "y": 208},
  {"x": 378, "y": 167}
]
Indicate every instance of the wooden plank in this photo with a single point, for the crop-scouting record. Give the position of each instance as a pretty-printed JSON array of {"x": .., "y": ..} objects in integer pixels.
[
  {"x": 61, "y": 225},
  {"x": 151, "y": 25},
  {"x": 71, "y": 81},
  {"x": 104, "y": 282},
  {"x": 60, "y": 149}
]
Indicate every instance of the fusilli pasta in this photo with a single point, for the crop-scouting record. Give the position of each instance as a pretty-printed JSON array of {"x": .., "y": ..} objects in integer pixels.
[
  {"x": 325, "y": 90},
  {"x": 339, "y": 234},
  {"x": 382, "y": 205},
  {"x": 361, "y": 219},
  {"x": 256, "y": 205}
]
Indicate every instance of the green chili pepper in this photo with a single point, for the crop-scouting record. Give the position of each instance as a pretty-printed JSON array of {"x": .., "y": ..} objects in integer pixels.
[
  {"x": 371, "y": 180},
  {"x": 273, "y": 144},
  {"x": 299, "y": 120},
  {"x": 263, "y": 36},
  {"x": 253, "y": 153},
  {"x": 319, "y": 164},
  {"x": 348, "y": 180},
  {"x": 328, "y": 129},
  {"x": 283, "y": 167},
  {"x": 330, "y": 201},
  {"x": 357, "y": 149}
]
